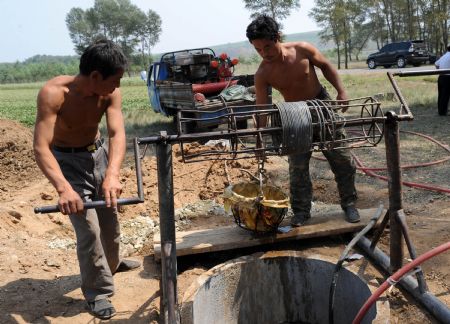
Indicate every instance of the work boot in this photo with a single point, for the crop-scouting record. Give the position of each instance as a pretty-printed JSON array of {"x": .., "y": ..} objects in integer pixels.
[
  {"x": 351, "y": 214},
  {"x": 299, "y": 219},
  {"x": 127, "y": 265}
]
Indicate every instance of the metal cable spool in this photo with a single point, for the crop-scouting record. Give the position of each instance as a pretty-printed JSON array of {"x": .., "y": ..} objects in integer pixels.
[
  {"x": 327, "y": 120},
  {"x": 296, "y": 122}
]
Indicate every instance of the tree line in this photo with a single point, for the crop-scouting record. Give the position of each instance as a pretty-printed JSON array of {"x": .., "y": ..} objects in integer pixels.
[
  {"x": 350, "y": 24},
  {"x": 38, "y": 68}
]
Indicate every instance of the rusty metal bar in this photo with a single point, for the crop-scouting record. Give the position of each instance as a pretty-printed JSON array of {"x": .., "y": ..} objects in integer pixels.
[
  {"x": 403, "y": 105},
  {"x": 421, "y": 73},
  {"x": 167, "y": 229},
  {"x": 412, "y": 251},
  {"x": 392, "y": 141},
  {"x": 379, "y": 231}
]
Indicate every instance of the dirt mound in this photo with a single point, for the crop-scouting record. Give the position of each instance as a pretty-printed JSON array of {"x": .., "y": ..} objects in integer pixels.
[{"x": 17, "y": 164}]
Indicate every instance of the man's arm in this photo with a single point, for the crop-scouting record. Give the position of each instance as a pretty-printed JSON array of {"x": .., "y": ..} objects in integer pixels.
[
  {"x": 328, "y": 70},
  {"x": 48, "y": 104},
  {"x": 117, "y": 146}
]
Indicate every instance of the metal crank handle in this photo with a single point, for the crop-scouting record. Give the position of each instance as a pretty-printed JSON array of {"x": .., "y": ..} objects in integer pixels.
[{"x": 89, "y": 205}]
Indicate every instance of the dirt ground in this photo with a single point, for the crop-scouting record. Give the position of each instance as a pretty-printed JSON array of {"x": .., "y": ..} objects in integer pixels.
[{"x": 40, "y": 282}]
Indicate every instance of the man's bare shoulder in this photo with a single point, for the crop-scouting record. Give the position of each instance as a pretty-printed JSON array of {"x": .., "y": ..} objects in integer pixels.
[
  {"x": 59, "y": 82},
  {"x": 300, "y": 46},
  {"x": 52, "y": 92}
]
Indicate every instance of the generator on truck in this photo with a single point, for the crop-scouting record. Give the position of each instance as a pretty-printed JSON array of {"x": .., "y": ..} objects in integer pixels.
[{"x": 196, "y": 81}]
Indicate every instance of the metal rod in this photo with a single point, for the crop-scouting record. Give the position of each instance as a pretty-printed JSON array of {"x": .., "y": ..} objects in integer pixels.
[
  {"x": 412, "y": 250},
  {"x": 101, "y": 203},
  {"x": 392, "y": 141},
  {"x": 209, "y": 135},
  {"x": 167, "y": 229},
  {"x": 424, "y": 72},
  {"x": 377, "y": 235},
  {"x": 404, "y": 105},
  {"x": 381, "y": 261},
  {"x": 88, "y": 205},
  {"x": 137, "y": 165}
]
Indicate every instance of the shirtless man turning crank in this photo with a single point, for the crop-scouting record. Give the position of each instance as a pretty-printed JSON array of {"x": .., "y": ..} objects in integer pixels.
[
  {"x": 290, "y": 69},
  {"x": 82, "y": 167}
]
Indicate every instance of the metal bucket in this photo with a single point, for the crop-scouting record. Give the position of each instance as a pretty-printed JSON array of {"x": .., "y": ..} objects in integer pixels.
[{"x": 256, "y": 209}]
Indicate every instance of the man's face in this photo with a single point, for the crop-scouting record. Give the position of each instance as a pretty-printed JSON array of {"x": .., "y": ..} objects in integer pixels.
[
  {"x": 269, "y": 50},
  {"x": 108, "y": 85}
]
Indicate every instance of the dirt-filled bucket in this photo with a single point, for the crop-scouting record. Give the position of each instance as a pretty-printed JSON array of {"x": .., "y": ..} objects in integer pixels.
[{"x": 255, "y": 209}]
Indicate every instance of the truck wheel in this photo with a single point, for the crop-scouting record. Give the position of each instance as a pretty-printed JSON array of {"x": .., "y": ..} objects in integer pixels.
[{"x": 371, "y": 64}]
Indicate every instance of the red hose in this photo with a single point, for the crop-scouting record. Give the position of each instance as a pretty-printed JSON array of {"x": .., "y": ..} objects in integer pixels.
[
  {"x": 396, "y": 277},
  {"x": 406, "y": 183},
  {"x": 369, "y": 171}
]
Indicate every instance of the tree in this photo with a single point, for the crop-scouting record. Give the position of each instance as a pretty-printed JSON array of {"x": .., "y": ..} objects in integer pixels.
[
  {"x": 329, "y": 16},
  {"x": 118, "y": 20},
  {"x": 150, "y": 32},
  {"x": 277, "y": 9}
]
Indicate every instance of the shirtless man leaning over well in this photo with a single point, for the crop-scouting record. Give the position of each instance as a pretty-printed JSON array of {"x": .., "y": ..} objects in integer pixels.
[
  {"x": 82, "y": 167},
  {"x": 290, "y": 69}
]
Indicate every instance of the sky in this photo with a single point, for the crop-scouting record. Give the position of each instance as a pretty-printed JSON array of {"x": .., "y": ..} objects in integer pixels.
[{"x": 32, "y": 27}]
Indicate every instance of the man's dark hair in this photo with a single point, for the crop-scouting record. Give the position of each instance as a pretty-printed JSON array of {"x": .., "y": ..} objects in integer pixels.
[
  {"x": 263, "y": 27},
  {"x": 103, "y": 56}
]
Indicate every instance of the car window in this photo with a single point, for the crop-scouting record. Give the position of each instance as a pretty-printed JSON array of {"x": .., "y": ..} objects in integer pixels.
[
  {"x": 385, "y": 48},
  {"x": 419, "y": 45},
  {"x": 405, "y": 45}
]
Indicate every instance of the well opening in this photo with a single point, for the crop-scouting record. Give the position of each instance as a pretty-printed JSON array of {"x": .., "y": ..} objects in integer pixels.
[{"x": 277, "y": 287}]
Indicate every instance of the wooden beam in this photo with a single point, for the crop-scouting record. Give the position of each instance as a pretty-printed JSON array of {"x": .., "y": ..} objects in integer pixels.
[{"x": 234, "y": 237}]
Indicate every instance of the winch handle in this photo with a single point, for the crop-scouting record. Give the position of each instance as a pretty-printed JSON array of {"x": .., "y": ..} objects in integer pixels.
[{"x": 121, "y": 201}]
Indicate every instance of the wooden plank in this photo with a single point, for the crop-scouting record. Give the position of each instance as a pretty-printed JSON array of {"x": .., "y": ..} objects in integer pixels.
[{"x": 234, "y": 237}]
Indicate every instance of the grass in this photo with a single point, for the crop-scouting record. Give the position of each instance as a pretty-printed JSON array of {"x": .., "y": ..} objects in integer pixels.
[{"x": 18, "y": 101}]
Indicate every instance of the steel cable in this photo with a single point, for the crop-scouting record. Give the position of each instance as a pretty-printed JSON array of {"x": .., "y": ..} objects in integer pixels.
[{"x": 296, "y": 122}]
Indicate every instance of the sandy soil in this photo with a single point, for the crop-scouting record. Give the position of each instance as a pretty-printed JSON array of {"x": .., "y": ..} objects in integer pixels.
[{"x": 40, "y": 282}]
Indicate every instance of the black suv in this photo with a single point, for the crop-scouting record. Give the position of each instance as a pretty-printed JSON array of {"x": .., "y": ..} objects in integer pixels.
[{"x": 400, "y": 53}]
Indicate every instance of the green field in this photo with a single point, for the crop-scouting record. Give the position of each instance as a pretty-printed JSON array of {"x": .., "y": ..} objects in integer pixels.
[{"x": 18, "y": 101}]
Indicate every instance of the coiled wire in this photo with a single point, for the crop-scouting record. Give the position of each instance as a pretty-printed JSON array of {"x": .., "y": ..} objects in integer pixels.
[{"x": 296, "y": 122}]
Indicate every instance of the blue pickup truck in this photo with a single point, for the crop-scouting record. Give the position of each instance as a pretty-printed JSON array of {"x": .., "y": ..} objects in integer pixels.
[{"x": 195, "y": 80}]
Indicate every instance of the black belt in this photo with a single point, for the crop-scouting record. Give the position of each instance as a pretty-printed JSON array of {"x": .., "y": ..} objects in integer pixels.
[{"x": 89, "y": 148}]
